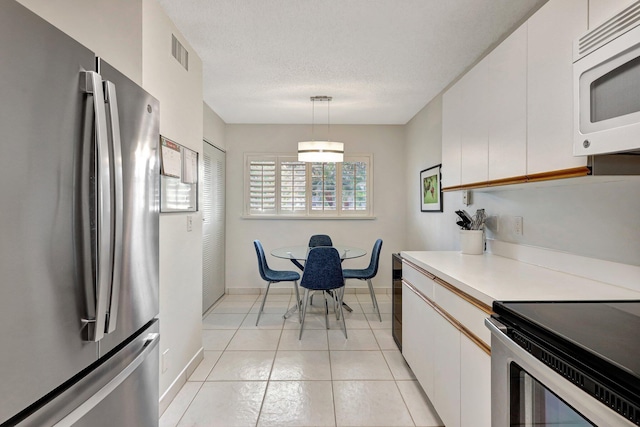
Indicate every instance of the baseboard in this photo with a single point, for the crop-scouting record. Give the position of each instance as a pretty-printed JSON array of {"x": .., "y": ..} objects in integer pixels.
[
  {"x": 286, "y": 291},
  {"x": 181, "y": 379}
]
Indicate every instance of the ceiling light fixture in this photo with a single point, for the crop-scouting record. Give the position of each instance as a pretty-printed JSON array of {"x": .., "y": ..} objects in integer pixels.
[{"x": 320, "y": 151}]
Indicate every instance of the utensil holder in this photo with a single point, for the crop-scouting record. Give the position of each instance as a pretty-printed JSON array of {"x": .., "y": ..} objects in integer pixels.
[{"x": 472, "y": 242}]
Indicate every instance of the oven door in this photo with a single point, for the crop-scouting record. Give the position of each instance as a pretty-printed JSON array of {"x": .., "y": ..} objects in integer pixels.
[
  {"x": 607, "y": 97},
  {"x": 525, "y": 392}
]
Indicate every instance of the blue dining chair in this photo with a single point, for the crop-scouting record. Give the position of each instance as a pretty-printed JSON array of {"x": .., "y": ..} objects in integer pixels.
[
  {"x": 315, "y": 240},
  {"x": 368, "y": 273},
  {"x": 320, "y": 240},
  {"x": 274, "y": 276},
  {"x": 323, "y": 272}
]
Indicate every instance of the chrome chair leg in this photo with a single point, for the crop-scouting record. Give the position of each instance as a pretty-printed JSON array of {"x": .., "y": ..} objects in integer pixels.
[
  {"x": 326, "y": 310},
  {"x": 266, "y": 292},
  {"x": 298, "y": 302},
  {"x": 373, "y": 299},
  {"x": 304, "y": 311},
  {"x": 344, "y": 323}
]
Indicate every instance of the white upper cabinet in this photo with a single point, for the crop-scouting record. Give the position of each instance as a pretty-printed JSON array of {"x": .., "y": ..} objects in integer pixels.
[
  {"x": 601, "y": 10},
  {"x": 507, "y": 107},
  {"x": 552, "y": 31},
  {"x": 474, "y": 126},
  {"x": 451, "y": 119},
  {"x": 511, "y": 115}
]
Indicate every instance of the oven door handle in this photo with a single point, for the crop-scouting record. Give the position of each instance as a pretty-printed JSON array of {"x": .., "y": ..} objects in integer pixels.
[
  {"x": 495, "y": 326},
  {"x": 499, "y": 332}
]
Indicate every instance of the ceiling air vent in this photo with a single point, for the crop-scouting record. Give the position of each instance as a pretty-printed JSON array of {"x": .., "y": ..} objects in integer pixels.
[{"x": 179, "y": 52}]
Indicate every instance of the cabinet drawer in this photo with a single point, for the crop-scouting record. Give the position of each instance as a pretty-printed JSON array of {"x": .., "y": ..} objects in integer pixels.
[
  {"x": 418, "y": 279},
  {"x": 464, "y": 312}
]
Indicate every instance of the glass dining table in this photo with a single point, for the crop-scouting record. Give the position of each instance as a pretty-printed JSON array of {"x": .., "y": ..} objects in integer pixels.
[{"x": 299, "y": 253}]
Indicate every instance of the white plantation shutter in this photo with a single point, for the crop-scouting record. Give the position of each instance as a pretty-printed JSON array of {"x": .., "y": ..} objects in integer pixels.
[
  {"x": 293, "y": 186},
  {"x": 324, "y": 188},
  {"x": 280, "y": 185},
  {"x": 354, "y": 186},
  {"x": 262, "y": 186}
]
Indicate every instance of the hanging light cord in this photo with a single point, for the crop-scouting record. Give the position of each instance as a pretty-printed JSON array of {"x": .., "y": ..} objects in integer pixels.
[
  {"x": 328, "y": 120},
  {"x": 313, "y": 116}
]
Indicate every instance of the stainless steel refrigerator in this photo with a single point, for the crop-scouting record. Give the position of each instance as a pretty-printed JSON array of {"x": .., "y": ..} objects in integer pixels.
[{"x": 78, "y": 234}]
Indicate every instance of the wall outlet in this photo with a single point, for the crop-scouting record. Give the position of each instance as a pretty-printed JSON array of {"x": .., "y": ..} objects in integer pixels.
[
  {"x": 164, "y": 362},
  {"x": 189, "y": 223},
  {"x": 517, "y": 225}
]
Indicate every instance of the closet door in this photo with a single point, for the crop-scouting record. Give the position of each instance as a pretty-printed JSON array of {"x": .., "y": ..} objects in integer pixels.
[{"x": 213, "y": 215}]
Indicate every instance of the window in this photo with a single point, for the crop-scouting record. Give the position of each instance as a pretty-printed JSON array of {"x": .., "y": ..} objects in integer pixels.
[{"x": 280, "y": 185}]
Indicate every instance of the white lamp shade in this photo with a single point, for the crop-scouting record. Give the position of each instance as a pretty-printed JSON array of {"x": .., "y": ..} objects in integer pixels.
[{"x": 320, "y": 151}]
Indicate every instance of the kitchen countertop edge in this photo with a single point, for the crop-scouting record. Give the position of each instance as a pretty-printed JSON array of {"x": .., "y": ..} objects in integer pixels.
[{"x": 489, "y": 277}]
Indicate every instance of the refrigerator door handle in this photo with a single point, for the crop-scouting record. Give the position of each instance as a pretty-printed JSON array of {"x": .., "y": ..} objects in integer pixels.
[
  {"x": 91, "y": 83},
  {"x": 150, "y": 343},
  {"x": 117, "y": 208}
]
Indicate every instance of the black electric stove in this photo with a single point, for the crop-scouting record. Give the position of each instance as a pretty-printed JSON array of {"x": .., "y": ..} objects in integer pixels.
[{"x": 593, "y": 344}]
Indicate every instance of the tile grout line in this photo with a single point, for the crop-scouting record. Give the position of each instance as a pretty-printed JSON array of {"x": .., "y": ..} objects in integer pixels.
[
  {"x": 266, "y": 388},
  {"x": 333, "y": 391}
]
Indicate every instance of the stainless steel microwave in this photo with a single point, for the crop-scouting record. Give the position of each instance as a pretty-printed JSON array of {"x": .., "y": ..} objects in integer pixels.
[{"x": 606, "y": 79}]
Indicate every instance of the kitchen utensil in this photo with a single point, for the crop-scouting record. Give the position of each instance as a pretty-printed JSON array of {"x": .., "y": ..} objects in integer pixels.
[{"x": 462, "y": 225}]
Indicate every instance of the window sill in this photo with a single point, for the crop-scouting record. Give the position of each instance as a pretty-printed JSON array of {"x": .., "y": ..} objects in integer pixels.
[{"x": 319, "y": 217}]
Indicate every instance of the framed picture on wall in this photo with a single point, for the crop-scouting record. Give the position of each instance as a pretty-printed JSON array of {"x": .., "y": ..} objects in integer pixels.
[{"x": 431, "y": 189}]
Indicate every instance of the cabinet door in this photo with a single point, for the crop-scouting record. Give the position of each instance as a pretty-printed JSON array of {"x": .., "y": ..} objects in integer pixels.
[
  {"x": 602, "y": 10},
  {"x": 446, "y": 360},
  {"x": 507, "y": 106},
  {"x": 474, "y": 127},
  {"x": 475, "y": 385},
  {"x": 417, "y": 338},
  {"x": 451, "y": 119},
  {"x": 551, "y": 33}
]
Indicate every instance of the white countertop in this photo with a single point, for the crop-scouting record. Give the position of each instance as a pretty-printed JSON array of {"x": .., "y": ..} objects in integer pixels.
[{"x": 491, "y": 277}]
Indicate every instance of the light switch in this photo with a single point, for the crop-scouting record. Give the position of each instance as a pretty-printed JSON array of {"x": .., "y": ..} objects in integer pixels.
[{"x": 466, "y": 197}]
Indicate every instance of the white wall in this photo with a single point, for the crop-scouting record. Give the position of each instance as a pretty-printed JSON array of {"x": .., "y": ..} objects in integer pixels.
[
  {"x": 181, "y": 120},
  {"x": 112, "y": 29},
  {"x": 425, "y": 230},
  {"x": 214, "y": 127},
  {"x": 387, "y": 145},
  {"x": 588, "y": 217}
]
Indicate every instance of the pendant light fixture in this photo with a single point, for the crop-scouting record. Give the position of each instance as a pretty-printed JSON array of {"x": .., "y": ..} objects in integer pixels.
[{"x": 320, "y": 151}]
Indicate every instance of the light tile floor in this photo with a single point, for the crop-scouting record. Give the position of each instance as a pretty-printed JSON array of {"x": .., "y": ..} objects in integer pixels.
[{"x": 265, "y": 376}]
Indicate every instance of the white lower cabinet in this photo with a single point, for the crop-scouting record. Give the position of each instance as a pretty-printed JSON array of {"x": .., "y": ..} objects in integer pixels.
[
  {"x": 417, "y": 338},
  {"x": 453, "y": 370},
  {"x": 446, "y": 361},
  {"x": 475, "y": 385}
]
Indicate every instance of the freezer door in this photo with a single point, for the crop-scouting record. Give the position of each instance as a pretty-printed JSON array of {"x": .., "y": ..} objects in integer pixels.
[
  {"x": 134, "y": 295},
  {"x": 43, "y": 130},
  {"x": 121, "y": 391}
]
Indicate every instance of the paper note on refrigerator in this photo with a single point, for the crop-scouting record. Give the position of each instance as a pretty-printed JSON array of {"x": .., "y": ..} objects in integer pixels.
[
  {"x": 190, "y": 167},
  {"x": 171, "y": 158}
]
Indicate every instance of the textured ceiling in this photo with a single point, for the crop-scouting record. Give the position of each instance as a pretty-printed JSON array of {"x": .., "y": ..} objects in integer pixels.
[{"x": 381, "y": 60}]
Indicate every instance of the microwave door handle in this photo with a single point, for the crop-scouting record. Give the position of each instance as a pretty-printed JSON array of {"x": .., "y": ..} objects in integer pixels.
[
  {"x": 117, "y": 209},
  {"x": 91, "y": 83}
]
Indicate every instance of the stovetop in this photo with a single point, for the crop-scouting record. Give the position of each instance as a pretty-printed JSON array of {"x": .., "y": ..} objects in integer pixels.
[{"x": 608, "y": 331}]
